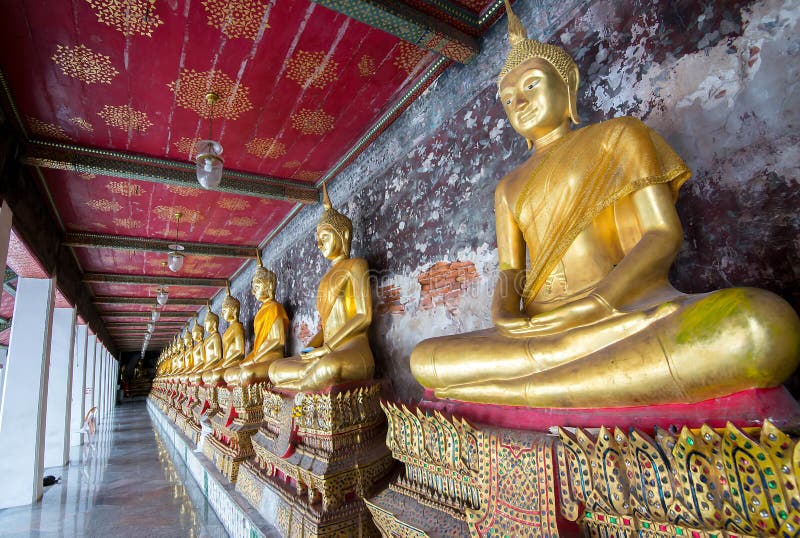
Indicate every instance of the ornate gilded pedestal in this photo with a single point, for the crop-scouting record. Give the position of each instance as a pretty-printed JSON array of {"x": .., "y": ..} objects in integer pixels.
[
  {"x": 317, "y": 455},
  {"x": 236, "y": 419},
  {"x": 703, "y": 479}
]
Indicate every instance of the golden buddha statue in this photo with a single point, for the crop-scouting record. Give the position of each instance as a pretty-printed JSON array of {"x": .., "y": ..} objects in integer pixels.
[
  {"x": 592, "y": 320},
  {"x": 341, "y": 351},
  {"x": 211, "y": 348},
  {"x": 270, "y": 324},
  {"x": 138, "y": 371},
  {"x": 232, "y": 341}
]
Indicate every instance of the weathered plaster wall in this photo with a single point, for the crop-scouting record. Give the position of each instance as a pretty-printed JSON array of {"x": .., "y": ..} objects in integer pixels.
[{"x": 718, "y": 79}]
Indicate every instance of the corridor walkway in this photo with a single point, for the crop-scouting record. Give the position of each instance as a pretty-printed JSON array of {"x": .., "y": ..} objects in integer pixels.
[{"x": 126, "y": 485}]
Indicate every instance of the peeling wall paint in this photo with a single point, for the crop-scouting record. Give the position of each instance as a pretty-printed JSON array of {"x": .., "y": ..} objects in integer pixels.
[{"x": 719, "y": 80}]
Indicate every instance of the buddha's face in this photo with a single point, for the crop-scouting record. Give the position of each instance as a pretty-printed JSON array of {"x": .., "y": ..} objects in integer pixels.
[
  {"x": 211, "y": 324},
  {"x": 329, "y": 243},
  {"x": 230, "y": 313},
  {"x": 535, "y": 98},
  {"x": 263, "y": 290},
  {"x": 197, "y": 333}
]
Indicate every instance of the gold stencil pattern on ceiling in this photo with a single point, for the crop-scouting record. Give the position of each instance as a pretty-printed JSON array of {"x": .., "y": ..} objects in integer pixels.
[
  {"x": 125, "y": 118},
  {"x": 186, "y": 145},
  {"x": 88, "y": 176},
  {"x": 192, "y": 87},
  {"x": 237, "y": 18},
  {"x": 130, "y": 17},
  {"x": 366, "y": 66},
  {"x": 292, "y": 164},
  {"x": 241, "y": 221},
  {"x": 82, "y": 124},
  {"x": 167, "y": 213},
  {"x": 309, "y": 68},
  {"x": 127, "y": 223},
  {"x": 124, "y": 188},
  {"x": 408, "y": 56},
  {"x": 180, "y": 190},
  {"x": 106, "y": 206},
  {"x": 306, "y": 175},
  {"x": 46, "y": 130},
  {"x": 266, "y": 148},
  {"x": 83, "y": 63},
  {"x": 316, "y": 122},
  {"x": 218, "y": 232},
  {"x": 233, "y": 204}
]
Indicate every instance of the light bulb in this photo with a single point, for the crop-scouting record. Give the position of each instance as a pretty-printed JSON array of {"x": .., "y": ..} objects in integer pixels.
[
  {"x": 161, "y": 296},
  {"x": 150, "y": 327},
  {"x": 175, "y": 261},
  {"x": 155, "y": 315},
  {"x": 209, "y": 163}
]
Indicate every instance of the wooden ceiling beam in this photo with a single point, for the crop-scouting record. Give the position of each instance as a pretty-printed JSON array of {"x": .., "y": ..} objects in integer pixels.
[
  {"x": 112, "y": 278},
  {"x": 181, "y": 301},
  {"x": 411, "y": 25},
  {"x": 146, "y": 244},
  {"x": 169, "y": 314},
  {"x": 83, "y": 159}
]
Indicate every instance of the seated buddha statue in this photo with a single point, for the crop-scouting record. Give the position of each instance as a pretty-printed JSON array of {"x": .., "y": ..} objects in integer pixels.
[
  {"x": 340, "y": 351},
  {"x": 232, "y": 342},
  {"x": 270, "y": 326},
  {"x": 138, "y": 372},
  {"x": 212, "y": 347},
  {"x": 183, "y": 356},
  {"x": 583, "y": 310}
]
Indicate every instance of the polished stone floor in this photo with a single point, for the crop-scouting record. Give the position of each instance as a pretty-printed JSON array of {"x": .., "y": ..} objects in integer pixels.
[{"x": 125, "y": 484}]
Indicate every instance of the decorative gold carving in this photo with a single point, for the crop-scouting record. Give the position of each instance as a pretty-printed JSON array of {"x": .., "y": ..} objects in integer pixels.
[
  {"x": 128, "y": 223},
  {"x": 309, "y": 68},
  {"x": 184, "y": 191},
  {"x": 192, "y": 87},
  {"x": 124, "y": 188},
  {"x": 218, "y": 232},
  {"x": 242, "y": 221},
  {"x": 125, "y": 118},
  {"x": 309, "y": 121},
  {"x": 82, "y": 124},
  {"x": 187, "y": 146},
  {"x": 233, "y": 204},
  {"x": 366, "y": 66},
  {"x": 46, "y": 130},
  {"x": 131, "y": 17},
  {"x": 700, "y": 483},
  {"x": 84, "y": 64},
  {"x": 237, "y": 18},
  {"x": 306, "y": 175},
  {"x": 106, "y": 206},
  {"x": 408, "y": 56},
  {"x": 168, "y": 213},
  {"x": 266, "y": 148}
]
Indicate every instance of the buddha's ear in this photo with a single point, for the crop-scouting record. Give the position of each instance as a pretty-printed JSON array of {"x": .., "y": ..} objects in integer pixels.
[{"x": 573, "y": 81}]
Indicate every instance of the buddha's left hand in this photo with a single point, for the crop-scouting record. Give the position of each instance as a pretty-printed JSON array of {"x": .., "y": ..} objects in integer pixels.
[
  {"x": 314, "y": 353},
  {"x": 584, "y": 311}
]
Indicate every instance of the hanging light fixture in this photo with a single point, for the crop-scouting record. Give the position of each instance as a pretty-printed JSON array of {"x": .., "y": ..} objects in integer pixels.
[
  {"x": 162, "y": 294},
  {"x": 150, "y": 328},
  {"x": 155, "y": 315},
  {"x": 209, "y": 162},
  {"x": 175, "y": 257}
]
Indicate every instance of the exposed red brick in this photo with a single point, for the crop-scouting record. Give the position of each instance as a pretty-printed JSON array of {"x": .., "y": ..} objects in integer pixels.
[
  {"x": 445, "y": 282},
  {"x": 389, "y": 300}
]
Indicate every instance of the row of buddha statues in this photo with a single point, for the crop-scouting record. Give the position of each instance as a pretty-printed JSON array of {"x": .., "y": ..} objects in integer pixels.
[{"x": 584, "y": 314}]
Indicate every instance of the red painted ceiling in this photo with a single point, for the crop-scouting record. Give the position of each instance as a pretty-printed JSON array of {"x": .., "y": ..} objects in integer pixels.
[{"x": 299, "y": 85}]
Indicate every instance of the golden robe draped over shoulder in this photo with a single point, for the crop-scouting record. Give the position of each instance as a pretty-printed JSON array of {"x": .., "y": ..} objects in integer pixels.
[
  {"x": 607, "y": 161},
  {"x": 266, "y": 316}
]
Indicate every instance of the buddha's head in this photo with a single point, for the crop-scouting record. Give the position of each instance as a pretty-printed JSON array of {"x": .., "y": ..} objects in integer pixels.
[
  {"x": 230, "y": 306},
  {"x": 334, "y": 231},
  {"x": 187, "y": 340},
  {"x": 538, "y": 84},
  {"x": 197, "y": 330},
  {"x": 211, "y": 321},
  {"x": 264, "y": 282}
]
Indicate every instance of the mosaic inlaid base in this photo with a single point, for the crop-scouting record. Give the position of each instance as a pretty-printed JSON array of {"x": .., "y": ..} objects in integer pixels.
[{"x": 703, "y": 482}]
